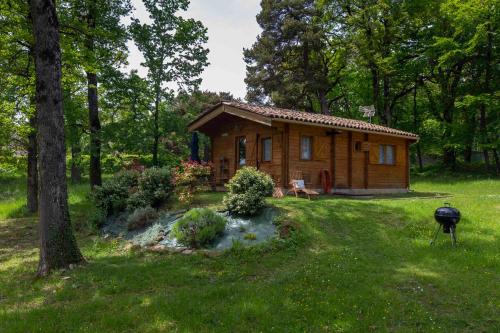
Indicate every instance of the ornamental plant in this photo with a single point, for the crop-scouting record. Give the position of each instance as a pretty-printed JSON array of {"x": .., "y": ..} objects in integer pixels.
[
  {"x": 199, "y": 227},
  {"x": 191, "y": 177},
  {"x": 247, "y": 190}
]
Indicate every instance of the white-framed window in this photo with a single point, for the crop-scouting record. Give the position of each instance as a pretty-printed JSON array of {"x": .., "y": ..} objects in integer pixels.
[
  {"x": 267, "y": 149},
  {"x": 306, "y": 148},
  {"x": 386, "y": 155}
]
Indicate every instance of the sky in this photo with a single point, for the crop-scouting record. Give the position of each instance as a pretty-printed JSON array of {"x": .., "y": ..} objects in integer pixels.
[{"x": 231, "y": 27}]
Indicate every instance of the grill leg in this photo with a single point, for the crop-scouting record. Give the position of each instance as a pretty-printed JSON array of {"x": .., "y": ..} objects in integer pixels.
[
  {"x": 436, "y": 234},
  {"x": 453, "y": 236}
]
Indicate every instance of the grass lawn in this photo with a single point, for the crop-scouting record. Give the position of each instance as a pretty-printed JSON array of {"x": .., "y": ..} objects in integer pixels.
[{"x": 353, "y": 265}]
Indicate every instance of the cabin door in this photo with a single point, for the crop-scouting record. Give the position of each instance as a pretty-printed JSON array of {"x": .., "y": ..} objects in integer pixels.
[{"x": 241, "y": 152}]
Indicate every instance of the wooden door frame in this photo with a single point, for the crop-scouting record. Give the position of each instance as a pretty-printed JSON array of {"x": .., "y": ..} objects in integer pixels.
[{"x": 237, "y": 165}]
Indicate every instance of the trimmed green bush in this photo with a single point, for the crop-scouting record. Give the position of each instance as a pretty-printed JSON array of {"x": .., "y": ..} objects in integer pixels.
[
  {"x": 247, "y": 190},
  {"x": 155, "y": 185},
  {"x": 199, "y": 227},
  {"x": 111, "y": 197},
  {"x": 141, "y": 217}
]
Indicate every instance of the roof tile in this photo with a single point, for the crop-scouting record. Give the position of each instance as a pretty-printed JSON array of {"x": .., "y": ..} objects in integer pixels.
[{"x": 315, "y": 118}]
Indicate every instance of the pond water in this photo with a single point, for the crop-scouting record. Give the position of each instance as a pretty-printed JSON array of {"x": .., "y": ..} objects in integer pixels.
[{"x": 245, "y": 230}]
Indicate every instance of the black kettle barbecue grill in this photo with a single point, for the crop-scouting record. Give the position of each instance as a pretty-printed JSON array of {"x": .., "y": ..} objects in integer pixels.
[{"x": 447, "y": 217}]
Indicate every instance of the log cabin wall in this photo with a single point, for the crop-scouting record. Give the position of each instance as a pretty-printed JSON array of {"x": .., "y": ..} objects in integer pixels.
[
  {"x": 321, "y": 158},
  {"x": 224, "y": 151},
  {"x": 381, "y": 176},
  {"x": 356, "y": 154}
]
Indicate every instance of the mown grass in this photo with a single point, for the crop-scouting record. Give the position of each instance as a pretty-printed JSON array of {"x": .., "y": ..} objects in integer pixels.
[{"x": 353, "y": 265}]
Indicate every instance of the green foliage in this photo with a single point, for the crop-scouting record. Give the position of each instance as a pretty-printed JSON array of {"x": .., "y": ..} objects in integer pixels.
[
  {"x": 291, "y": 63},
  {"x": 250, "y": 236},
  {"x": 111, "y": 197},
  {"x": 174, "y": 52},
  {"x": 155, "y": 185},
  {"x": 199, "y": 227},
  {"x": 130, "y": 190},
  {"x": 137, "y": 199},
  {"x": 141, "y": 218},
  {"x": 97, "y": 219},
  {"x": 247, "y": 190}
]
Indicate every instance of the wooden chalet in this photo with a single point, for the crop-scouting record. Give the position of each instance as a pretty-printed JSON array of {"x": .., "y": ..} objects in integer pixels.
[{"x": 353, "y": 156}]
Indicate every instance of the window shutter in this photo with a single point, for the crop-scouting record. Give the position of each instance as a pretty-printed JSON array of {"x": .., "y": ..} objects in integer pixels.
[
  {"x": 374, "y": 147},
  {"x": 321, "y": 147}
]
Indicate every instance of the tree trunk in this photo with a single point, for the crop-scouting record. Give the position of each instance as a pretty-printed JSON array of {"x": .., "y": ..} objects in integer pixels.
[
  {"x": 58, "y": 247},
  {"x": 156, "y": 127},
  {"x": 95, "y": 132},
  {"x": 449, "y": 154},
  {"x": 32, "y": 172},
  {"x": 387, "y": 114},
  {"x": 76, "y": 172},
  {"x": 468, "y": 153},
  {"x": 94, "y": 122},
  {"x": 470, "y": 127},
  {"x": 376, "y": 92},
  {"x": 323, "y": 103},
  {"x": 415, "y": 126},
  {"x": 497, "y": 160},
  {"x": 484, "y": 135}
]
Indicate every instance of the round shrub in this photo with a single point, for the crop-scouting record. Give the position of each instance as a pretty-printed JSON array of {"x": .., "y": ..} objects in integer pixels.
[
  {"x": 111, "y": 197},
  {"x": 137, "y": 199},
  {"x": 247, "y": 190},
  {"x": 199, "y": 227},
  {"x": 155, "y": 185}
]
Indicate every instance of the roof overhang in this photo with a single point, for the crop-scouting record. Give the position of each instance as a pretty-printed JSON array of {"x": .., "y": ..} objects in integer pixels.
[
  {"x": 222, "y": 108},
  {"x": 341, "y": 128}
]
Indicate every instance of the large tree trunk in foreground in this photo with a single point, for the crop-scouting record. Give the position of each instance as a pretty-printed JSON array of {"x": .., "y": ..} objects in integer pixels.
[
  {"x": 32, "y": 170},
  {"x": 58, "y": 246}
]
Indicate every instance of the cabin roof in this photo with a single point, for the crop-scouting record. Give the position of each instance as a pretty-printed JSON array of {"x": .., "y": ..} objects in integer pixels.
[{"x": 272, "y": 113}]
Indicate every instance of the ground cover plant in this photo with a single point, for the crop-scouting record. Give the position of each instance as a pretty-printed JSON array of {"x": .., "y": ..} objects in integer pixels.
[
  {"x": 199, "y": 227},
  {"x": 351, "y": 265}
]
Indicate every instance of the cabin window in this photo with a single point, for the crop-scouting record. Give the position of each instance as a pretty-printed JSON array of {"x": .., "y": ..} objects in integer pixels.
[
  {"x": 306, "y": 148},
  {"x": 386, "y": 155},
  {"x": 267, "y": 149},
  {"x": 242, "y": 151},
  {"x": 357, "y": 146},
  {"x": 389, "y": 155}
]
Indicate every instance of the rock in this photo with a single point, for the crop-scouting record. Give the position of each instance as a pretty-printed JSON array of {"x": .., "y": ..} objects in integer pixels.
[
  {"x": 188, "y": 251},
  {"x": 106, "y": 236},
  {"x": 72, "y": 266},
  {"x": 211, "y": 254},
  {"x": 160, "y": 238},
  {"x": 158, "y": 248},
  {"x": 132, "y": 247},
  {"x": 179, "y": 249}
]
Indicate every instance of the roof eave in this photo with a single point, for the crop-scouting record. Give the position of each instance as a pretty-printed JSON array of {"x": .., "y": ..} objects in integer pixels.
[
  {"x": 300, "y": 122},
  {"x": 226, "y": 108}
]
